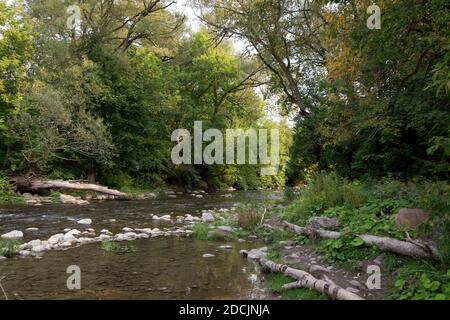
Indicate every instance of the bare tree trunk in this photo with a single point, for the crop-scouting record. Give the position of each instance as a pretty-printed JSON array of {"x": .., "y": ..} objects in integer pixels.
[
  {"x": 92, "y": 174},
  {"x": 306, "y": 280},
  {"x": 384, "y": 243},
  {"x": 60, "y": 184}
]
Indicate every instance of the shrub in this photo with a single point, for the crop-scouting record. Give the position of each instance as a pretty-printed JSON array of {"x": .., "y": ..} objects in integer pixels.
[
  {"x": 9, "y": 248},
  {"x": 114, "y": 247},
  {"x": 421, "y": 281},
  {"x": 6, "y": 193},
  {"x": 200, "y": 231},
  {"x": 251, "y": 216}
]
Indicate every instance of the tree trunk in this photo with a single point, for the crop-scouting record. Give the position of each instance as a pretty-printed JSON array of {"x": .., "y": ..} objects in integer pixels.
[
  {"x": 60, "y": 184},
  {"x": 306, "y": 280},
  {"x": 383, "y": 243},
  {"x": 92, "y": 175}
]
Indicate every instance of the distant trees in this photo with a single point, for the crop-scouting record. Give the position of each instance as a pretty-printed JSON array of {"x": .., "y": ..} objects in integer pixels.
[
  {"x": 102, "y": 98},
  {"x": 367, "y": 102}
]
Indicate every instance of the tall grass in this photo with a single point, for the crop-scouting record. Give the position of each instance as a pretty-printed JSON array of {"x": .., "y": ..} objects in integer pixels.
[
  {"x": 251, "y": 216},
  {"x": 9, "y": 248},
  {"x": 370, "y": 206}
]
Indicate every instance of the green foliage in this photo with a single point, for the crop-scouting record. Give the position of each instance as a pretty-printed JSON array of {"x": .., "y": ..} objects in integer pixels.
[
  {"x": 325, "y": 191},
  {"x": 250, "y": 216},
  {"x": 275, "y": 282},
  {"x": 55, "y": 196},
  {"x": 421, "y": 281},
  {"x": 379, "y": 114},
  {"x": 9, "y": 248},
  {"x": 201, "y": 231},
  {"x": 7, "y": 195},
  {"x": 105, "y": 102},
  {"x": 114, "y": 247},
  {"x": 370, "y": 207},
  {"x": 347, "y": 250}
]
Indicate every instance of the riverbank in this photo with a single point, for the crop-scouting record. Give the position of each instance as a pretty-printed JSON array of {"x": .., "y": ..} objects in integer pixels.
[
  {"x": 396, "y": 229},
  {"x": 245, "y": 221}
]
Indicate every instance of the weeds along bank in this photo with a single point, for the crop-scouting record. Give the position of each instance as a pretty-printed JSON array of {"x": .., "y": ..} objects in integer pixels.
[
  {"x": 413, "y": 212},
  {"x": 373, "y": 208}
]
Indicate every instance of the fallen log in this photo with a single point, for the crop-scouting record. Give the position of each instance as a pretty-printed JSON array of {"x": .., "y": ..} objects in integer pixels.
[
  {"x": 308, "y": 281},
  {"x": 60, "y": 184},
  {"x": 384, "y": 243}
]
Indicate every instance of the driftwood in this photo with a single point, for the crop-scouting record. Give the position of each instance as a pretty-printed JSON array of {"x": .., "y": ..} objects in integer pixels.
[
  {"x": 60, "y": 184},
  {"x": 308, "y": 281},
  {"x": 384, "y": 243}
]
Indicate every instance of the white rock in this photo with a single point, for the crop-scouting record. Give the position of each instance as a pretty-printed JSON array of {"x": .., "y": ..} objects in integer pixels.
[
  {"x": 112, "y": 220},
  {"x": 207, "y": 217},
  {"x": 55, "y": 239},
  {"x": 38, "y": 249},
  {"x": 91, "y": 230},
  {"x": 143, "y": 236},
  {"x": 157, "y": 234},
  {"x": 31, "y": 229},
  {"x": 126, "y": 229},
  {"x": 13, "y": 235},
  {"x": 155, "y": 217},
  {"x": 24, "y": 253},
  {"x": 165, "y": 217},
  {"x": 208, "y": 255},
  {"x": 85, "y": 240},
  {"x": 85, "y": 221},
  {"x": 226, "y": 247},
  {"x": 2, "y": 258},
  {"x": 255, "y": 254},
  {"x": 107, "y": 232},
  {"x": 65, "y": 198},
  {"x": 68, "y": 237},
  {"x": 225, "y": 229},
  {"x": 120, "y": 237},
  {"x": 74, "y": 232},
  {"x": 35, "y": 243},
  {"x": 66, "y": 244},
  {"x": 145, "y": 230},
  {"x": 104, "y": 237},
  {"x": 131, "y": 235}
]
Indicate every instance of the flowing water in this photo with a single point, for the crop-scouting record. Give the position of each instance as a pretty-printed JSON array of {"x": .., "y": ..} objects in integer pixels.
[{"x": 158, "y": 268}]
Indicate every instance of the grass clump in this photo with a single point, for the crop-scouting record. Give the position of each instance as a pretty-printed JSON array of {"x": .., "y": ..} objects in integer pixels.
[
  {"x": 346, "y": 251},
  {"x": 7, "y": 195},
  {"x": 371, "y": 206},
  {"x": 55, "y": 196},
  {"x": 420, "y": 280},
  {"x": 275, "y": 282},
  {"x": 114, "y": 247},
  {"x": 200, "y": 231},
  {"x": 251, "y": 216},
  {"x": 9, "y": 248}
]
